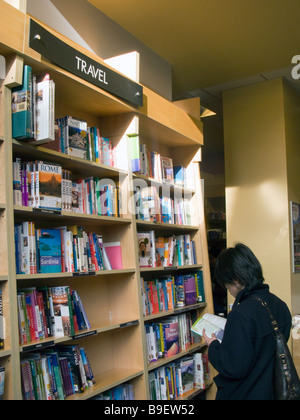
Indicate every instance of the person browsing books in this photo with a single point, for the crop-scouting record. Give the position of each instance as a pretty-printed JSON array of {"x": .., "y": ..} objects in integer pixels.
[{"x": 245, "y": 358}]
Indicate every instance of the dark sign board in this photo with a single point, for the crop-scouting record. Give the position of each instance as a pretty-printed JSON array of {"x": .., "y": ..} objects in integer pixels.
[{"x": 83, "y": 66}]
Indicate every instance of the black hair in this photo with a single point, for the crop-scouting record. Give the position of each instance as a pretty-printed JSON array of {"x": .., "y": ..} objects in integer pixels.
[{"x": 239, "y": 264}]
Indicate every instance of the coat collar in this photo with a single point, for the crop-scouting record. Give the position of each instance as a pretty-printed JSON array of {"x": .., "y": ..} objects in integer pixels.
[{"x": 259, "y": 290}]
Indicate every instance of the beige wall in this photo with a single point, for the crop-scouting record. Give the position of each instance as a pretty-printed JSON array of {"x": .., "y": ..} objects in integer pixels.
[
  {"x": 86, "y": 25},
  {"x": 292, "y": 129},
  {"x": 260, "y": 131}
]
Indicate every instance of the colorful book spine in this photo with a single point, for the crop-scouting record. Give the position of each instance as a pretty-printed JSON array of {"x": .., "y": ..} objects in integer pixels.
[{"x": 22, "y": 107}]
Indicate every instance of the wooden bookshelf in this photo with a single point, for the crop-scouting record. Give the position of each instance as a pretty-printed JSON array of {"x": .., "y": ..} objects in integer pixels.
[{"x": 115, "y": 344}]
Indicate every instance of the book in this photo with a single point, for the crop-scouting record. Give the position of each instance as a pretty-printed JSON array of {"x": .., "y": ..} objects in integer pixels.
[
  {"x": 134, "y": 152},
  {"x": 2, "y": 326},
  {"x": 2, "y": 382},
  {"x": 114, "y": 254},
  {"x": 49, "y": 186},
  {"x": 212, "y": 324},
  {"x": 49, "y": 250},
  {"x": 167, "y": 170},
  {"x": 45, "y": 105},
  {"x": 190, "y": 292},
  {"x": 22, "y": 107},
  {"x": 63, "y": 314},
  {"x": 75, "y": 137},
  {"x": 146, "y": 248}
]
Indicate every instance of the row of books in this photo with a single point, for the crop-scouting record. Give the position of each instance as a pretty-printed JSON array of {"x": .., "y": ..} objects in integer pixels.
[
  {"x": 56, "y": 373},
  {"x": 151, "y": 164},
  {"x": 67, "y": 249},
  {"x": 169, "y": 337},
  {"x": 175, "y": 250},
  {"x": 153, "y": 208},
  {"x": 119, "y": 393},
  {"x": 176, "y": 379},
  {"x": 50, "y": 312},
  {"x": 33, "y": 119},
  {"x": 166, "y": 294},
  {"x": 75, "y": 138},
  {"x": 33, "y": 108},
  {"x": 48, "y": 186}
]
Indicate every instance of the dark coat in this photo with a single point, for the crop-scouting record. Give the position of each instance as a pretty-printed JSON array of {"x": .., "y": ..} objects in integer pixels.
[{"x": 245, "y": 358}]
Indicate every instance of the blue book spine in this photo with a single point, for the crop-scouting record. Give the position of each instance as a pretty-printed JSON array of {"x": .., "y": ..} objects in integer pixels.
[{"x": 22, "y": 107}]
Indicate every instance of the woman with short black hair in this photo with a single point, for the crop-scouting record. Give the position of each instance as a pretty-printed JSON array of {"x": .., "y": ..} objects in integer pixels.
[{"x": 245, "y": 358}]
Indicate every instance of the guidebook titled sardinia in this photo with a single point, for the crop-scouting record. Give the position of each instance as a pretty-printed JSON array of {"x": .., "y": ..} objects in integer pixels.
[
  {"x": 212, "y": 324},
  {"x": 49, "y": 185}
]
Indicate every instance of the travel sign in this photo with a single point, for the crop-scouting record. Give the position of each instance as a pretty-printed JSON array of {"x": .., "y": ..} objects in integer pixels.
[{"x": 83, "y": 66}]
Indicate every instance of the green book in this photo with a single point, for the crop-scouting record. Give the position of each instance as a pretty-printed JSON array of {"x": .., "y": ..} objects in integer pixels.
[{"x": 22, "y": 107}]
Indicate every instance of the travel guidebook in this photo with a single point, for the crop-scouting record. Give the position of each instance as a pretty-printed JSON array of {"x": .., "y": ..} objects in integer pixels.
[{"x": 212, "y": 324}]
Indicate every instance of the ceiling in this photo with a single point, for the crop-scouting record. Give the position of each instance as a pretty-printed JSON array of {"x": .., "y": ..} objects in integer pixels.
[{"x": 213, "y": 45}]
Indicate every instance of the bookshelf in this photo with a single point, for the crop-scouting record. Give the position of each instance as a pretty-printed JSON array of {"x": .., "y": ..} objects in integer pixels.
[{"x": 116, "y": 341}]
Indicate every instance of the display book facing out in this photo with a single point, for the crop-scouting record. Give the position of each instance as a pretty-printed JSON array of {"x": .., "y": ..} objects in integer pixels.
[{"x": 105, "y": 294}]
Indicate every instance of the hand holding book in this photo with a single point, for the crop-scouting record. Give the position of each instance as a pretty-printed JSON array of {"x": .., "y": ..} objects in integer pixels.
[{"x": 208, "y": 340}]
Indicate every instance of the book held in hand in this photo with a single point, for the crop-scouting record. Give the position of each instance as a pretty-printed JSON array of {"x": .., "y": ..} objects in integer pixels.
[{"x": 212, "y": 324}]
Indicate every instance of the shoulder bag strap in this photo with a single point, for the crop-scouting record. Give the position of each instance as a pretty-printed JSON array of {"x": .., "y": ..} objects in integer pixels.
[{"x": 273, "y": 321}]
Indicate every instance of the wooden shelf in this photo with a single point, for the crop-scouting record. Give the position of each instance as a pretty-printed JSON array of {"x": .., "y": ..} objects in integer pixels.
[
  {"x": 175, "y": 311},
  {"x": 82, "y": 167},
  {"x": 157, "y": 226},
  {"x": 161, "y": 362},
  {"x": 107, "y": 381},
  {"x": 116, "y": 342}
]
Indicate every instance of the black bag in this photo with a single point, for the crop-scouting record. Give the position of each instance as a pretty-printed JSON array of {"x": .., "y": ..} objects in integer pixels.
[{"x": 286, "y": 379}]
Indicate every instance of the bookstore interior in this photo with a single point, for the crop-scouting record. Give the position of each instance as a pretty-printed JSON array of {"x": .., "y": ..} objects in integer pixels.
[{"x": 120, "y": 184}]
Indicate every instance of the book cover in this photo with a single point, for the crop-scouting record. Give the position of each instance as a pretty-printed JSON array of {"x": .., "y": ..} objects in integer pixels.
[
  {"x": 198, "y": 371},
  {"x": 63, "y": 316},
  {"x": 212, "y": 324},
  {"x": 134, "y": 152},
  {"x": 187, "y": 374},
  {"x": 160, "y": 251},
  {"x": 45, "y": 119},
  {"x": 50, "y": 182},
  {"x": 190, "y": 290},
  {"x": 179, "y": 291},
  {"x": 22, "y": 107},
  {"x": 167, "y": 170},
  {"x": 200, "y": 287},
  {"x": 2, "y": 382},
  {"x": 171, "y": 338},
  {"x": 49, "y": 250},
  {"x": 76, "y": 137},
  {"x": 144, "y": 249},
  {"x": 179, "y": 175},
  {"x": 114, "y": 254}
]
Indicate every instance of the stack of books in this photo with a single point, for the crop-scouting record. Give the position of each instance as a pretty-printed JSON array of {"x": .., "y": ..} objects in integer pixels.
[
  {"x": 152, "y": 208},
  {"x": 56, "y": 374},
  {"x": 67, "y": 249},
  {"x": 49, "y": 186},
  {"x": 50, "y": 312},
  {"x": 169, "y": 337},
  {"x": 33, "y": 108},
  {"x": 176, "y": 379},
  {"x": 175, "y": 250}
]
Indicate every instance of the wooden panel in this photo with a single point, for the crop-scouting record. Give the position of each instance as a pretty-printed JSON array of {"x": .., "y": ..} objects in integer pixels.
[{"x": 12, "y": 27}]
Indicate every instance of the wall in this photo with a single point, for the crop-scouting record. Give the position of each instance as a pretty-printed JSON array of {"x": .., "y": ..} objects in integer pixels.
[
  {"x": 257, "y": 196},
  {"x": 292, "y": 130},
  {"x": 86, "y": 25}
]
